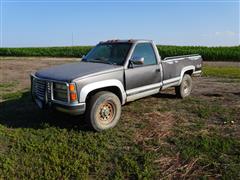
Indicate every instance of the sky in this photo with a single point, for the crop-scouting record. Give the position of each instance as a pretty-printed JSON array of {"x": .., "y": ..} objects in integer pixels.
[{"x": 40, "y": 23}]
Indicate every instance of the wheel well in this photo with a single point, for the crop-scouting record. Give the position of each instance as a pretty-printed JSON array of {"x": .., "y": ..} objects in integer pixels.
[
  {"x": 115, "y": 90},
  {"x": 189, "y": 72}
]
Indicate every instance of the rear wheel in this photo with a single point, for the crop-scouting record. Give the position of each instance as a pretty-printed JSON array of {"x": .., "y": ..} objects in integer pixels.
[
  {"x": 185, "y": 87},
  {"x": 103, "y": 111}
]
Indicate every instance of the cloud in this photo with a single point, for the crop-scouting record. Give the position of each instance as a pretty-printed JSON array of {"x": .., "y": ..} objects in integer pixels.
[
  {"x": 221, "y": 34},
  {"x": 223, "y": 38},
  {"x": 226, "y": 33}
]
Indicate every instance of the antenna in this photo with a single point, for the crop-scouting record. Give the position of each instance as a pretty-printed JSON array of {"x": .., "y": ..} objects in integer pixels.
[{"x": 72, "y": 38}]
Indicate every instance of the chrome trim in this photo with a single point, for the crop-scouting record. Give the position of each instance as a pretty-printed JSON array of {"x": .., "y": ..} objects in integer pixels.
[
  {"x": 143, "y": 88},
  {"x": 173, "y": 58},
  {"x": 51, "y": 91},
  {"x": 125, "y": 65},
  {"x": 68, "y": 93},
  {"x": 55, "y": 90},
  {"x": 169, "y": 85},
  {"x": 197, "y": 72},
  {"x": 78, "y": 111},
  {"x": 171, "y": 80},
  {"x": 33, "y": 75},
  {"x": 142, "y": 94},
  {"x": 177, "y": 59}
]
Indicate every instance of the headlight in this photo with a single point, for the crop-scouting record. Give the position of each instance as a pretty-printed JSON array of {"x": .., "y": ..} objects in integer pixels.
[
  {"x": 60, "y": 92},
  {"x": 60, "y": 86}
]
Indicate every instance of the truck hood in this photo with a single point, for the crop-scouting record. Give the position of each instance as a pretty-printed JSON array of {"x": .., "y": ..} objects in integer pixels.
[{"x": 71, "y": 71}]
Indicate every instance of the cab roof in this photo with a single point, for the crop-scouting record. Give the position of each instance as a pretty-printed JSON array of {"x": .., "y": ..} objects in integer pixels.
[{"x": 126, "y": 41}]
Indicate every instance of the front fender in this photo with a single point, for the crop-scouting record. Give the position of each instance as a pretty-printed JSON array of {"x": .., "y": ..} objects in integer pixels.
[{"x": 102, "y": 84}]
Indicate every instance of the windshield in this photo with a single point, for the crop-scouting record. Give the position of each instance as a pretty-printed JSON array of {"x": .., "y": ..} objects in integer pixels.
[{"x": 112, "y": 53}]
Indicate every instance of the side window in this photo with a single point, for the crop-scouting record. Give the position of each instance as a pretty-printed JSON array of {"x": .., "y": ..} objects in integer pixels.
[{"x": 146, "y": 51}]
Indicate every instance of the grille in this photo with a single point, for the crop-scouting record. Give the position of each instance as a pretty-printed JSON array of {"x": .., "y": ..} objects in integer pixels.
[
  {"x": 49, "y": 89},
  {"x": 39, "y": 88}
]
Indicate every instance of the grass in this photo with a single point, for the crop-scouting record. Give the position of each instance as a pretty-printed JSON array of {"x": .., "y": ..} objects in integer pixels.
[
  {"x": 219, "y": 155},
  {"x": 159, "y": 137},
  {"x": 7, "y": 90},
  {"x": 52, "y": 145},
  {"x": 11, "y": 95},
  {"x": 223, "y": 72},
  {"x": 208, "y": 53},
  {"x": 8, "y": 85},
  {"x": 47, "y": 150}
]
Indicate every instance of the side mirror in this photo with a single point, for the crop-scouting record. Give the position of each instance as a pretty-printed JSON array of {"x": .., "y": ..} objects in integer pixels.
[
  {"x": 83, "y": 58},
  {"x": 137, "y": 60}
]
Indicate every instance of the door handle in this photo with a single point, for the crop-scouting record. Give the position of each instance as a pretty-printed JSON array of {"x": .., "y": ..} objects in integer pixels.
[{"x": 158, "y": 69}]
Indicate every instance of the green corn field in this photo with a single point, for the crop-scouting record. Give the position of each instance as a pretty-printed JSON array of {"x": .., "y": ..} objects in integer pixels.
[{"x": 208, "y": 53}]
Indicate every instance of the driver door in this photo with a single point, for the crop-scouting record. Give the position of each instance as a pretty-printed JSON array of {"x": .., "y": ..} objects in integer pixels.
[{"x": 144, "y": 77}]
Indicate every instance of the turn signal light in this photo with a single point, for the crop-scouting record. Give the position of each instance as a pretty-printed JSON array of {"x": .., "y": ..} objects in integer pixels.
[
  {"x": 73, "y": 96},
  {"x": 71, "y": 87}
]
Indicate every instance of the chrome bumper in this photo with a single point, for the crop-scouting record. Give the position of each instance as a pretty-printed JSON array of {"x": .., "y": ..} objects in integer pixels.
[
  {"x": 197, "y": 73},
  {"x": 77, "y": 109}
]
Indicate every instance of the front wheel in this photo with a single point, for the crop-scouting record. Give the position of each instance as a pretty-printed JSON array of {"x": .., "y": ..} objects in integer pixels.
[
  {"x": 185, "y": 87},
  {"x": 103, "y": 111}
]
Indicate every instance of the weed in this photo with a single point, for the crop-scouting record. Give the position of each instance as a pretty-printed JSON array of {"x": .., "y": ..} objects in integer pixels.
[{"x": 219, "y": 154}]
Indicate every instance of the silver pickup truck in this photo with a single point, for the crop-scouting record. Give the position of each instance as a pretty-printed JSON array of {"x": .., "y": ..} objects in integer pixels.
[{"x": 112, "y": 73}]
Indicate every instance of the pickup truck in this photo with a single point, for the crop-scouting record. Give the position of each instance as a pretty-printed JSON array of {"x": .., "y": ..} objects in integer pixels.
[{"x": 112, "y": 73}]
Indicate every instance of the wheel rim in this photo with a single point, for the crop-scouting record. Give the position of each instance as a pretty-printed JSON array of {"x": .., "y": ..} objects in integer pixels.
[
  {"x": 106, "y": 112},
  {"x": 186, "y": 87}
]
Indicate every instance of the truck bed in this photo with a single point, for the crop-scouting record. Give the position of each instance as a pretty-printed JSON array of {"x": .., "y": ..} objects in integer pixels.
[{"x": 173, "y": 66}]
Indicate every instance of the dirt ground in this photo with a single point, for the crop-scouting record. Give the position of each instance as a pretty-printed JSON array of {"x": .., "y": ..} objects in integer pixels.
[{"x": 18, "y": 69}]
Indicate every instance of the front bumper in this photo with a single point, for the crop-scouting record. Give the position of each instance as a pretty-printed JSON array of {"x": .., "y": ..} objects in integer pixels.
[
  {"x": 197, "y": 73},
  {"x": 73, "y": 109},
  {"x": 77, "y": 109}
]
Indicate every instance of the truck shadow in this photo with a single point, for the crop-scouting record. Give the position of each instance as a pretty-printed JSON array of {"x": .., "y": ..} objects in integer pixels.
[
  {"x": 165, "y": 95},
  {"x": 23, "y": 113}
]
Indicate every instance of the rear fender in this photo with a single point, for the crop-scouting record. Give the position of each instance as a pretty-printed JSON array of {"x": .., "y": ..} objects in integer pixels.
[{"x": 184, "y": 70}]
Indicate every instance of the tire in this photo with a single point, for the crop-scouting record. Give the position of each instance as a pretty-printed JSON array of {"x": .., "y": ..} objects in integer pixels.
[
  {"x": 185, "y": 88},
  {"x": 103, "y": 111}
]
